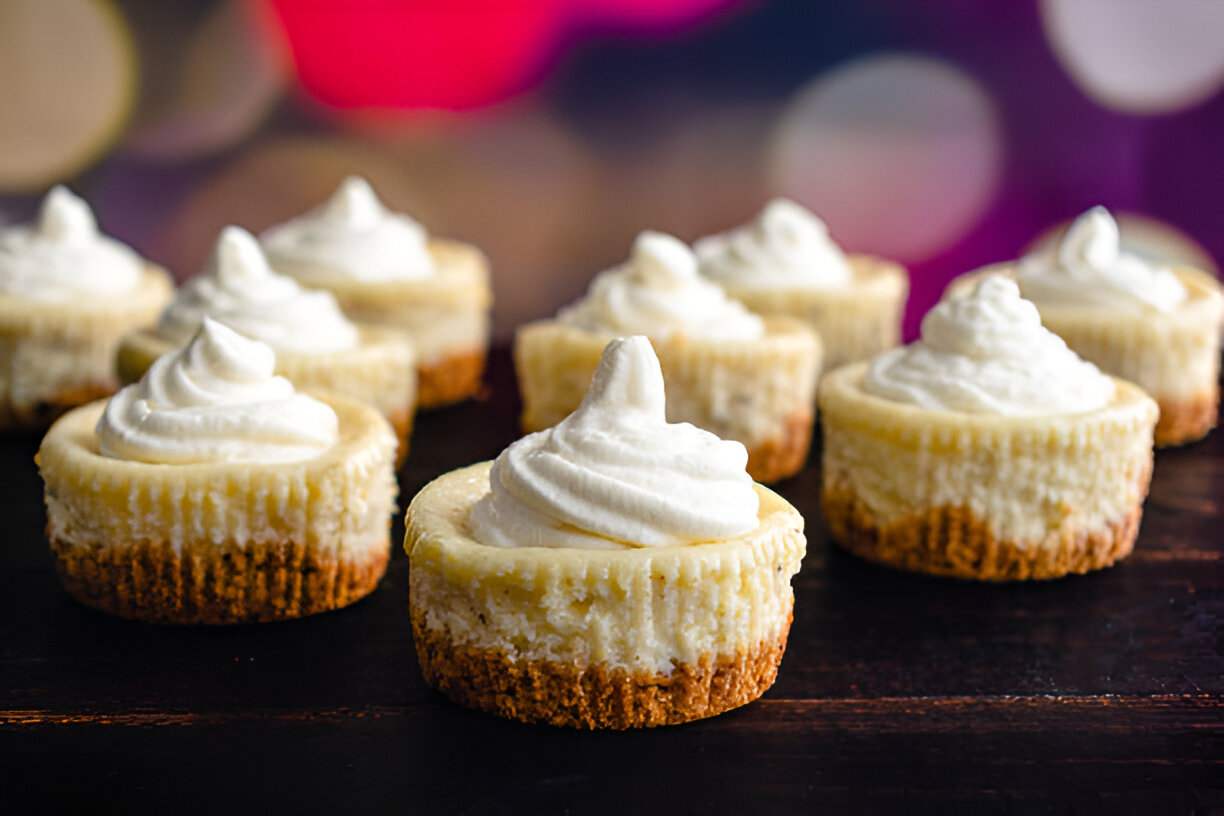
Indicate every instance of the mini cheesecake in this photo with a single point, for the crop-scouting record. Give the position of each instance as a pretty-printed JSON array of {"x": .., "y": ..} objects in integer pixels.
[
  {"x": 726, "y": 370},
  {"x": 760, "y": 392},
  {"x": 446, "y": 316},
  {"x": 983, "y": 496},
  {"x": 213, "y": 492},
  {"x": 216, "y": 542},
  {"x": 597, "y": 638},
  {"x": 384, "y": 268},
  {"x": 67, "y": 294},
  {"x": 854, "y": 322},
  {"x": 54, "y": 356},
  {"x": 316, "y": 345},
  {"x": 785, "y": 263}
]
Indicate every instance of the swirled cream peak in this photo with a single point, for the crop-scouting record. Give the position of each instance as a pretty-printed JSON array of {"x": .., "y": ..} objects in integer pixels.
[
  {"x": 987, "y": 353},
  {"x": 616, "y": 474},
  {"x": 351, "y": 236},
  {"x": 1089, "y": 268},
  {"x": 62, "y": 256},
  {"x": 785, "y": 247},
  {"x": 658, "y": 293},
  {"x": 215, "y": 400},
  {"x": 239, "y": 289}
]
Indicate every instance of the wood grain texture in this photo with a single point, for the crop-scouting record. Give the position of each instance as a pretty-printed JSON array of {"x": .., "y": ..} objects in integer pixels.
[{"x": 897, "y": 693}]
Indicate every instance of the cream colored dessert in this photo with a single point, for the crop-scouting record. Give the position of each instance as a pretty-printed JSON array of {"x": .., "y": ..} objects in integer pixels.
[
  {"x": 986, "y": 450},
  {"x": 614, "y": 571},
  {"x": 784, "y": 263},
  {"x": 67, "y": 294},
  {"x": 1158, "y": 327},
  {"x": 212, "y": 492},
  {"x": 383, "y": 268},
  {"x": 727, "y": 370},
  {"x": 316, "y": 346}
]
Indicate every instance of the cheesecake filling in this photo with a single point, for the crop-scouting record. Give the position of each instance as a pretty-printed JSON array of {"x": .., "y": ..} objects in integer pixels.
[
  {"x": 786, "y": 247},
  {"x": 647, "y": 610},
  {"x": 1089, "y": 268},
  {"x": 62, "y": 255},
  {"x": 658, "y": 293},
  {"x": 987, "y": 353},
  {"x": 239, "y": 289},
  {"x": 350, "y": 237},
  {"x": 215, "y": 400},
  {"x": 615, "y": 474}
]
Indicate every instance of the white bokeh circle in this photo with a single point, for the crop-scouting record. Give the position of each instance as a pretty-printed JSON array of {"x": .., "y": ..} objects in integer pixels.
[
  {"x": 67, "y": 87},
  {"x": 900, "y": 154},
  {"x": 1139, "y": 56}
]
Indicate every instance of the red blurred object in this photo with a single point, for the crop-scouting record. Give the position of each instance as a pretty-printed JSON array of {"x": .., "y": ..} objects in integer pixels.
[{"x": 449, "y": 54}]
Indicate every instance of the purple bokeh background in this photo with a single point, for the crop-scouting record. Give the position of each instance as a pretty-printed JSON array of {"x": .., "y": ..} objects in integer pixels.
[
  {"x": 1063, "y": 152},
  {"x": 632, "y": 106}
]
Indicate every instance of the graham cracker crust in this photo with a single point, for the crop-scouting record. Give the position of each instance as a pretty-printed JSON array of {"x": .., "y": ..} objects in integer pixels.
[
  {"x": 575, "y": 696},
  {"x": 451, "y": 379},
  {"x": 783, "y": 455},
  {"x": 41, "y": 414},
  {"x": 209, "y": 584},
  {"x": 951, "y": 541},
  {"x": 1184, "y": 421}
]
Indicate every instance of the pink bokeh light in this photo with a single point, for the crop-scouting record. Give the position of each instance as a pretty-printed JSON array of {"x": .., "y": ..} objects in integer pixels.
[{"x": 459, "y": 55}]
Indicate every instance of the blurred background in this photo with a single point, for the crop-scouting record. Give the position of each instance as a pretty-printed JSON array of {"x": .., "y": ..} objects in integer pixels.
[{"x": 944, "y": 134}]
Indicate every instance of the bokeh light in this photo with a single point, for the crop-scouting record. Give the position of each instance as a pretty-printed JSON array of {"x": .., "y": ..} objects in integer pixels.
[
  {"x": 899, "y": 154},
  {"x": 654, "y": 16},
  {"x": 452, "y": 56},
  {"x": 1140, "y": 56},
  {"x": 231, "y": 70},
  {"x": 550, "y": 132},
  {"x": 67, "y": 86},
  {"x": 518, "y": 187}
]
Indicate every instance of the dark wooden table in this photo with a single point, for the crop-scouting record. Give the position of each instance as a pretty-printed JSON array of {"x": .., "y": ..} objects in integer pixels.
[{"x": 898, "y": 693}]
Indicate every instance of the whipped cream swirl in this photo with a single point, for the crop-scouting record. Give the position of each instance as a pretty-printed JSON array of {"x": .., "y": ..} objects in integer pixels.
[
  {"x": 215, "y": 400},
  {"x": 62, "y": 256},
  {"x": 1089, "y": 268},
  {"x": 786, "y": 247},
  {"x": 351, "y": 236},
  {"x": 659, "y": 293},
  {"x": 615, "y": 474},
  {"x": 987, "y": 353},
  {"x": 239, "y": 289}
]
